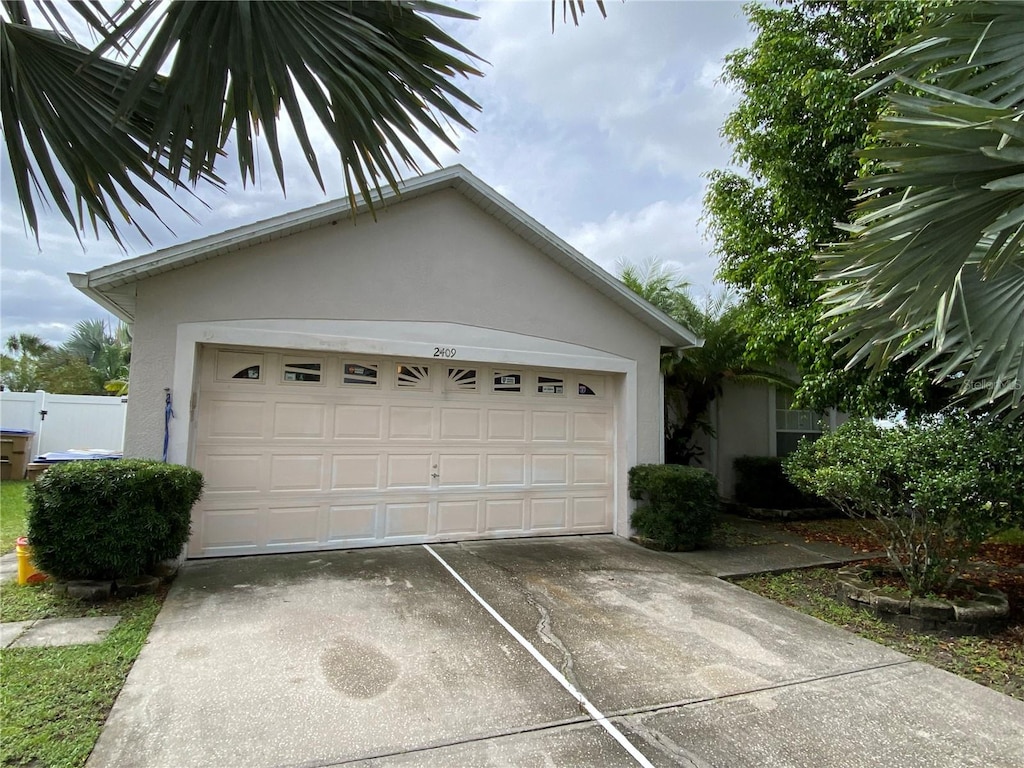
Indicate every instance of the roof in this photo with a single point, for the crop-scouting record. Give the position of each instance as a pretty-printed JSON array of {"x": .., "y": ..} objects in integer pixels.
[{"x": 113, "y": 286}]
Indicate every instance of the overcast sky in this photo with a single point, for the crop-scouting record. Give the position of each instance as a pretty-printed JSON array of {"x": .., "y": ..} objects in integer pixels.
[{"x": 601, "y": 132}]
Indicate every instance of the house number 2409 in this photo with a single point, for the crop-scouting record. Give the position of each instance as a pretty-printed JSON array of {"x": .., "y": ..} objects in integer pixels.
[{"x": 444, "y": 351}]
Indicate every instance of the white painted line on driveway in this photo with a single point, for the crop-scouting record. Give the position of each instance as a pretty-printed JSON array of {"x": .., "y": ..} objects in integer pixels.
[{"x": 591, "y": 710}]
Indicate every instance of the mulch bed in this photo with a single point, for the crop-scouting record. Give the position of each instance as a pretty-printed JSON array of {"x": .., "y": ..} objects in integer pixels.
[{"x": 995, "y": 565}]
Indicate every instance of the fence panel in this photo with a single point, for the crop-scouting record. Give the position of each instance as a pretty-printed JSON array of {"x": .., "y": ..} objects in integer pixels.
[{"x": 70, "y": 421}]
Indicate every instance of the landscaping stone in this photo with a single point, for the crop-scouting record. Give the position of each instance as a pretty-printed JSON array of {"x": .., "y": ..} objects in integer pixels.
[
  {"x": 167, "y": 569},
  {"x": 136, "y": 585},
  {"x": 51, "y": 632},
  {"x": 987, "y": 612},
  {"x": 91, "y": 591}
]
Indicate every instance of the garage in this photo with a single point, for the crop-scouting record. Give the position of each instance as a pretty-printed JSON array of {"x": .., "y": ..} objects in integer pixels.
[
  {"x": 306, "y": 451},
  {"x": 442, "y": 368}
]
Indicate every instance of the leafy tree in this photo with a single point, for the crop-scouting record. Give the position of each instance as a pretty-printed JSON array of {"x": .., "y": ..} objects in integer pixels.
[
  {"x": 794, "y": 132},
  {"x": 695, "y": 377},
  {"x": 934, "y": 272},
  {"x": 19, "y": 370},
  {"x": 937, "y": 488}
]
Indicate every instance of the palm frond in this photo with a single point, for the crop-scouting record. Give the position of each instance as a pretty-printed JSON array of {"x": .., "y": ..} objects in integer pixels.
[{"x": 935, "y": 265}]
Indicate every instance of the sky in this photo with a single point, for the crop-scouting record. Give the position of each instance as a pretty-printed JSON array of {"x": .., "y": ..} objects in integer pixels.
[{"x": 603, "y": 133}]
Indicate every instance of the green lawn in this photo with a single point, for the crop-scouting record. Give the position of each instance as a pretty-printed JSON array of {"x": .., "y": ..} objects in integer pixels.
[
  {"x": 54, "y": 701},
  {"x": 12, "y": 513}
]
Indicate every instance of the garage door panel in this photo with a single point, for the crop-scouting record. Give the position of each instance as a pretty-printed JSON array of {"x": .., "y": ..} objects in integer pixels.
[
  {"x": 549, "y": 469},
  {"x": 230, "y": 527},
  {"x": 291, "y": 472},
  {"x": 590, "y": 470},
  {"x": 291, "y": 525},
  {"x": 410, "y": 423},
  {"x": 294, "y": 465},
  {"x": 409, "y": 470},
  {"x": 360, "y": 471},
  {"x": 233, "y": 473},
  {"x": 307, "y": 421},
  {"x": 406, "y": 520},
  {"x": 459, "y": 469},
  {"x": 592, "y": 427},
  {"x": 234, "y": 419},
  {"x": 506, "y": 425},
  {"x": 460, "y": 423},
  {"x": 458, "y": 517},
  {"x": 351, "y": 522},
  {"x": 506, "y": 469},
  {"x": 590, "y": 512},
  {"x": 358, "y": 422},
  {"x": 504, "y": 515},
  {"x": 549, "y": 513},
  {"x": 550, "y": 426}
]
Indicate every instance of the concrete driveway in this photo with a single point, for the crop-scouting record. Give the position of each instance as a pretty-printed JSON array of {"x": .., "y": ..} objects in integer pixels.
[{"x": 409, "y": 656}]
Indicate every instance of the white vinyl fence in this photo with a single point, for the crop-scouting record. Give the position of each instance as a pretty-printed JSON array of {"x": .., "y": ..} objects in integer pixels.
[{"x": 66, "y": 422}]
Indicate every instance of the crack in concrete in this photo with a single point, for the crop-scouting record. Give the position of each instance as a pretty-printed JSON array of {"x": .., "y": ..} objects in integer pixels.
[
  {"x": 663, "y": 744},
  {"x": 544, "y": 626}
]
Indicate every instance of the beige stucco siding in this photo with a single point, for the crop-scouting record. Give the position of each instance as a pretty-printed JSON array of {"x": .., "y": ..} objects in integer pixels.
[
  {"x": 436, "y": 258},
  {"x": 743, "y": 427}
]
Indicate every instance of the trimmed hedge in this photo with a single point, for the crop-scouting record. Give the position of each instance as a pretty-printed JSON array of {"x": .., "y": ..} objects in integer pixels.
[
  {"x": 678, "y": 504},
  {"x": 762, "y": 483},
  {"x": 110, "y": 519}
]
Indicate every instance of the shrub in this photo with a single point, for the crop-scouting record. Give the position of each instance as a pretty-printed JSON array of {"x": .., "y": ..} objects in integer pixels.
[
  {"x": 110, "y": 519},
  {"x": 677, "y": 504},
  {"x": 939, "y": 488},
  {"x": 761, "y": 482}
]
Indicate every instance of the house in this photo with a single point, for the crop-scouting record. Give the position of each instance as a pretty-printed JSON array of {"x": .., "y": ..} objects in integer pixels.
[{"x": 452, "y": 370}]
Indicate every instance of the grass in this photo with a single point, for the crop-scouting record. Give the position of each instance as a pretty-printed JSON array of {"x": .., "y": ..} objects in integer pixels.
[
  {"x": 996, "y": 661},
  {"x": 12, "y": 513},
  {"x": 54, "y": 701}
]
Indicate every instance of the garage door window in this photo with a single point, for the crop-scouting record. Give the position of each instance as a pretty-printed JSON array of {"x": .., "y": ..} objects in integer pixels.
[
  {"x": 550, "y": 385},
  {"x": 507, "y": 381},
  {"x": 299, "y": 371},
  {"x": 360, "y": 374},
  {"x": 412, "y": 376},
  {"x": 462, "y": 380},
  {"x": 239, "y": 366},
  {"x": 590, "y": 388}
]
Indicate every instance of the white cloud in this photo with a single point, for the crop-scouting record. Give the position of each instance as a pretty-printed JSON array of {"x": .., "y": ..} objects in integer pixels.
[{"x": 665, "y": 231}]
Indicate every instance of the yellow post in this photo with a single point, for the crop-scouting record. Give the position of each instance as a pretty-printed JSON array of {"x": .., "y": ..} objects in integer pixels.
[{"x": 25, "y": 568}]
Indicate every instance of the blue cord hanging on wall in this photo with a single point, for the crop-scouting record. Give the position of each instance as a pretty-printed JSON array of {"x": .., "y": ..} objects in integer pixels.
[{"x": 168, "y": 415}]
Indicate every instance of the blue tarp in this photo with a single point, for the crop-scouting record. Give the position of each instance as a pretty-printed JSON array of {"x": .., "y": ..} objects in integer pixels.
[{"x": 17, "y": 431}]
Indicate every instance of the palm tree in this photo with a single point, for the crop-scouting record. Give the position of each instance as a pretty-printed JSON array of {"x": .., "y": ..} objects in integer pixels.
[
  {"x": 20, "y": 368},
  {"x": 149, "y": 107},
  {"x": 106, "y": 352},
  {"x": 935, "y": 265},
  {"x": 377, "y": 76},
  {"x": 695, "y": 377}
]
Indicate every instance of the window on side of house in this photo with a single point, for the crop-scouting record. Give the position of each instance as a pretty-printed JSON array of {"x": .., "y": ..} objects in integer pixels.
[{"x": 792, "y": 424}]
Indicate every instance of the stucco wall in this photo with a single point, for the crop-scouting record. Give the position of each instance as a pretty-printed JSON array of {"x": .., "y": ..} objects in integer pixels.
[
  {"x": 436, "y": 258},
  {"x": 743, "y": 429}
]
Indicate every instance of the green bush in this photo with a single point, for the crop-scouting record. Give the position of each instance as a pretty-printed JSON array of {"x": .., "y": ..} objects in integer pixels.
[
  {"x": 110, "y": 519},
  {"x": 939, "y": 488},
  {"x": 677, "y": 504},
  {"x": 761, "y": 482}
]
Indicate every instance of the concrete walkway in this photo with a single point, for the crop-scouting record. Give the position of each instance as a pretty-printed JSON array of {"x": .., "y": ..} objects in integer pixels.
[{"x": 569, "y": 651}]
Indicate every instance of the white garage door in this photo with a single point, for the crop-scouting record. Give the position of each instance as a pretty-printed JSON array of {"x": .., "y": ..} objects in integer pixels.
[{"x": 304, "y": 452}]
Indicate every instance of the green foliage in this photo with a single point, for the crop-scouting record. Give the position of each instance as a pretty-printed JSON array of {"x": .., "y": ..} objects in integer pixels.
[
  {"x": 19, "y": 368},
  {"x": 12, "y": 513},
  {"x": 795, "y": 131},
  {"x": 933, "y": 274},
  {"x": 760, "y": 482},
  {"x": 939, "y": 488},
  {"x": 696, "y": 376},
  {"x": 110, "y": 519},
  {"x": 677, "y": 506}
]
